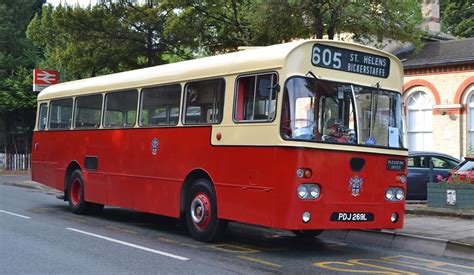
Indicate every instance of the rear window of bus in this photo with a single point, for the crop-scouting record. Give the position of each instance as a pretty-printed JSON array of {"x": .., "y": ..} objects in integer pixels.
[{"x": 43, "y": 115}]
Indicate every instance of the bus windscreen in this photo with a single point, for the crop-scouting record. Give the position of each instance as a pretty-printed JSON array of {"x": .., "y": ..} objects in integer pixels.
[{"x": 328, "y": 111}]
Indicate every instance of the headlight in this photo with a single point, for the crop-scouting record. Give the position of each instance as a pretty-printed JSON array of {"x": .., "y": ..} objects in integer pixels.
[
  {"x": 399, "y": 194},
  {"x": 394, "y": 194},
  {"x": 302, "y": 191},
  {"x": 389, "y": 194},
  {"x": 308, "y": 191},
  {"x": 314, "y": 191}
]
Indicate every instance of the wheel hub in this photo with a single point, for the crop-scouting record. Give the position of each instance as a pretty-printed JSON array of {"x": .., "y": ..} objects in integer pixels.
[
  {"x": 76, "y": 190},
  {"x": 201, "y": 210}
]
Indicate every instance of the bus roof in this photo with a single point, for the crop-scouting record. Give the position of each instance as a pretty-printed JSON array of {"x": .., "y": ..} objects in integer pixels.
[{"x": 249, "y": 60}]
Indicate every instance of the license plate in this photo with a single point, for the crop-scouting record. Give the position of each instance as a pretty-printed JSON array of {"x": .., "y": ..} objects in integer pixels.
[{"x": 352, "y": 217}]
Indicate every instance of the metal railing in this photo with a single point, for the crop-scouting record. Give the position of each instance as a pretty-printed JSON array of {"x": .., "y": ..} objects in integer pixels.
[{"x": 15, "y": 162}]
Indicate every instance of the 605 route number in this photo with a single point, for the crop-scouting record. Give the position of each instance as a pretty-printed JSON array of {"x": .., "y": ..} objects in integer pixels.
[{"x": 327, "y": 57}]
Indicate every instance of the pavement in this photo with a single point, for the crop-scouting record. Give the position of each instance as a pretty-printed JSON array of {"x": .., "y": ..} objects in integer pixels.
[{"x": 428, "y": 230}]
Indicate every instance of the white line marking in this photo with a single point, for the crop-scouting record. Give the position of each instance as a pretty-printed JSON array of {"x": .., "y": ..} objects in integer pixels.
[
  {"x": 13, "y": 214},
  {"x": 130, "y": 244}
]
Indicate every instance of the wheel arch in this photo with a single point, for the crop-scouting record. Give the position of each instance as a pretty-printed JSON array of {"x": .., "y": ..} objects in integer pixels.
[{"x": 188, "y": 181}]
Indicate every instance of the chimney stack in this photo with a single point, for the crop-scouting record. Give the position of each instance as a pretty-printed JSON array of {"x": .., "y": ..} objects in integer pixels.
[{"x": 430, "y": 12}]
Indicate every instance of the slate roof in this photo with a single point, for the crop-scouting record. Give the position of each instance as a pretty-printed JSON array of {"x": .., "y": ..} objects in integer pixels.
[{"x": 441, "y": 53}]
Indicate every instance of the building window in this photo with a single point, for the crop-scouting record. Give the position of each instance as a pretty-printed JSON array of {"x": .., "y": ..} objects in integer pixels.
[
  {"x": 470, "y": 122},
  {"x": 420, "y": 121}
]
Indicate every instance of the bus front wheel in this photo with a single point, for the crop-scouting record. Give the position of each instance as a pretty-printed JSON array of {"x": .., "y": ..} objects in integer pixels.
[
  {"x": 307, "y": 234},
  {"x": 201, "y": 212},
  {"x": 75, "y": 192}
]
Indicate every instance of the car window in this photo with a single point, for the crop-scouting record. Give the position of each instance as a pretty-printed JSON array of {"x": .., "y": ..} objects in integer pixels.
[
  {"x": 443, "y": 163},
  {"x": 467, "y": 165},
  {"x": 410, "y": 162},
  {"x": 418, "y": 162}
]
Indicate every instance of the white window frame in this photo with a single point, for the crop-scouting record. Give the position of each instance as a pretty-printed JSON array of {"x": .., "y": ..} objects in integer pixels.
[
  {"x": 470, "y": 122},
  {"x": 425, "y": 106}
]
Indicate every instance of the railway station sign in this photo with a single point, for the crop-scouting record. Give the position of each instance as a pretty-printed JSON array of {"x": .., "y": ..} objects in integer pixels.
[
  {"x": 44, "y": 78},
  {"x": 350, "y": 61}
]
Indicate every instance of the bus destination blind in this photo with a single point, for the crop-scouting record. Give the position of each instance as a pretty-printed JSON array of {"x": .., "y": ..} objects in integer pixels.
[{"x": 351, "y": 61}]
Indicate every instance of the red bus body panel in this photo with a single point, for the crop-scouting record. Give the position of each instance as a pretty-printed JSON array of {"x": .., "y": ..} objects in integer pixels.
[{"x": 254, "y": 184}]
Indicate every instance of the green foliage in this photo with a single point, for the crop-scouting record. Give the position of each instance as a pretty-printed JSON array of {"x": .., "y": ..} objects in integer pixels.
[
  {"x": 17, "y": 92},
  {"x": 17, "y": 60},
  {"x": 17, "y": 55},
  {"x": 225, "y": 25},
  {"x": 457, "y": 17},
  {"x": 111, "y": 37}
]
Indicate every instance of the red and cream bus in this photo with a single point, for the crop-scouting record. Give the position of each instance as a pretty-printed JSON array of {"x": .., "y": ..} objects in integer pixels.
[{"x": 302, "y": 136}]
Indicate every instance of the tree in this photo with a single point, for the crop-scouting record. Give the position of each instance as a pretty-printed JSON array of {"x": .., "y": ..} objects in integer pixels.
[
  {"x": 457, "y": 17},
  {"x": 110, "y": 37},
  {"x": 17, "y": 60},
  {"x": 225, "y": 25}
]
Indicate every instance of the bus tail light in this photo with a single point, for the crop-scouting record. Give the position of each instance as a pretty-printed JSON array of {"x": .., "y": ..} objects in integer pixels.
[{"x": 308, "y": 191}]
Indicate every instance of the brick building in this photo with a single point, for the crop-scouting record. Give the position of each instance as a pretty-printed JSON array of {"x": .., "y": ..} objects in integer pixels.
[{"x": 439, "y": 97}]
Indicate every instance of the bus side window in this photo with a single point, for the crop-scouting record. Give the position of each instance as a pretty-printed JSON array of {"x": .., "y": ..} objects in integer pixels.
[
  {"x": 60, "y": 114},
  {"x": 43, "y": 114},
  {"x": 88, "y": 111},
  {"x": 160, "y": 105},
  {"x": 204, "y": 102},
  {"x": 256, "y": 97},
  {"x": 120, "y": 109}
]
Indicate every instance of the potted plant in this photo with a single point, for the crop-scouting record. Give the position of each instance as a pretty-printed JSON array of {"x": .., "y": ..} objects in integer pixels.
[{"x": 456, "y": 191}]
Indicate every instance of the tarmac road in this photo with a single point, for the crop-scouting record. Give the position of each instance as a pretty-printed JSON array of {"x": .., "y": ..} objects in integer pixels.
[{"x": 38, "y": 234}]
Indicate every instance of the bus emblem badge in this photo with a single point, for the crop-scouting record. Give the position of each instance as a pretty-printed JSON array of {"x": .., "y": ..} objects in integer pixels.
[
  {"x": 355, "y": 184},
  {"x": 154, "y": 146}
]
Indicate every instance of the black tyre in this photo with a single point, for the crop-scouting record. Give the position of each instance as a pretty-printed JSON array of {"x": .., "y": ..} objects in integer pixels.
[
  {"x": 201, "y": 212},
  {"x": 307, "y": 234},
  {"x": 75, "y": 192}
]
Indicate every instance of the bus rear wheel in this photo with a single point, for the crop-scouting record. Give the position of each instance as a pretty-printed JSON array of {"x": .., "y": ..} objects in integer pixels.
[
  {"x": 307, "y": 234},
  {"x": 201, "y": 212},
  {"x": 75, "y": 192}
]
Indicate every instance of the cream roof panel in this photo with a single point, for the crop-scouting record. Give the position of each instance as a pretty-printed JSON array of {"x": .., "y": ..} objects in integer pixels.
[
  {"x": 244, "y": 61},
  {"x": 252, "y": 60}
]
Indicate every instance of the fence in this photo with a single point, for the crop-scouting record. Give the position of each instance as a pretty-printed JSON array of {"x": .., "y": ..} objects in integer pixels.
[{"x": 15, "y": 162}]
